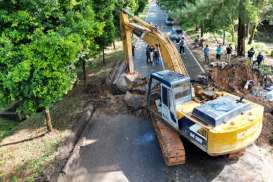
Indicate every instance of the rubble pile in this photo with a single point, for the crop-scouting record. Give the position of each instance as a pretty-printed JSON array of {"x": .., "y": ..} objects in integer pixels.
[{"x": 131, "y": 87}]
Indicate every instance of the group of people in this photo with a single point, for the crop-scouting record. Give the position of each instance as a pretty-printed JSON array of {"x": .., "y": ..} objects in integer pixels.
[
  {"x": 219, "y": 52},
  {"x": 229, "y": 49},
  {"x": 181, "y": 44},
  {"x": 259, "y": 59},
  {"x": 153, "y": 54}
]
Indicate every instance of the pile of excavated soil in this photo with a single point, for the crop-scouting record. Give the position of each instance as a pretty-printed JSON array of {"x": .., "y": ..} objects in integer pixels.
[{"x": 233, "y": 77}]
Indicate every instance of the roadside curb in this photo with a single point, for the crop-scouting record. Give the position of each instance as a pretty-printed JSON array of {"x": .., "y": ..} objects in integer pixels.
[
  {"x": 193, "y": 56},
  {"x": 89, "y": 112},
  {"x": 72, "y": 143}
]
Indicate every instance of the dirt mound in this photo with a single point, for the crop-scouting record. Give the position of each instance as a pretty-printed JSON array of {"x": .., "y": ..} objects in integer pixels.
[{"x": 233, "y": 77}]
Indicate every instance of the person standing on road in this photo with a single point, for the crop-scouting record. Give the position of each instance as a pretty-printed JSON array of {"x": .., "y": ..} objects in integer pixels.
[
  {"x": 250, "y": 54},
  {"x": 229, "y": 52},
  {"x": 206, "y": 54},
  {"x": 156, "y": 54},
  {"x": 148, "y": 54},
  {"x": 196, "y": 41},
  {"x": 181, "y": 44},
  {"x": 218, "y": 52},
  {"x": 152, "y": 54},
  {"x": 133, "y": 49}
]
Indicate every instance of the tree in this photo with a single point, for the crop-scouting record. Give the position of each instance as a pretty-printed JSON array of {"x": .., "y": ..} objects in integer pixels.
[
  {"x": 85, "y": 24},
  {"x": 214, "y": 16},
  {"x": 263, "y": 12},
  {"x": 102, "y": 9},
  {"x": 132, "y": 5},
  {"x": 37, "y": 74},
  {"x": 141, "y": 6},
  {"x": 39, "y": 44}
]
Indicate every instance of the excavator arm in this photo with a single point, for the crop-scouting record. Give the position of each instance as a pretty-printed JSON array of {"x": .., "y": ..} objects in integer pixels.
[
  {"x": 152, "y": 36},
  {"x": 170, "y": 143}
]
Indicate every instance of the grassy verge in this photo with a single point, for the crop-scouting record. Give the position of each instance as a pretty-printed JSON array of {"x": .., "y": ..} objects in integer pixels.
[{"x": 26, "y": 149}]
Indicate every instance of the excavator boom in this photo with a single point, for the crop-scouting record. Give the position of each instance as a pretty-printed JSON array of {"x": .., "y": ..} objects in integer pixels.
[
  {"x": 170, "y": 143},
  {"x": 152, "y": 36}
]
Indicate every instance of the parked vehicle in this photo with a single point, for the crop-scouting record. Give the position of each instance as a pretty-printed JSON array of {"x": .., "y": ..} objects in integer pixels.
[
  {"x": 170, "y": 21},
  {"x": 175, "y": 33}
]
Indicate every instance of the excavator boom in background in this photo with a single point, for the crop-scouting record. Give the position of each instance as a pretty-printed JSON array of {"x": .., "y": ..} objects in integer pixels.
[{"x": 222, "y": 124}]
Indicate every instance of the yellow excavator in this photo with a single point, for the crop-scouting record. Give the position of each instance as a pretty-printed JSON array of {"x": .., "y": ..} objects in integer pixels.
[{"x": 219, "y": 125}]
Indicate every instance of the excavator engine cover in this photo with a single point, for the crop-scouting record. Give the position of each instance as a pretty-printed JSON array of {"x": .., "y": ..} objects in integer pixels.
[{"x": 220, "y": 110}]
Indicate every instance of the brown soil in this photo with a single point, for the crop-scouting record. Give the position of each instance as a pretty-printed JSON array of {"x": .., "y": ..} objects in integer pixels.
[{"x": 233, "y": 77}]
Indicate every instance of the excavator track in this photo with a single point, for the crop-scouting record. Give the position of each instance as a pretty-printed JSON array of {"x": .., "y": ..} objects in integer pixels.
[{"x": 170, "y": 143}]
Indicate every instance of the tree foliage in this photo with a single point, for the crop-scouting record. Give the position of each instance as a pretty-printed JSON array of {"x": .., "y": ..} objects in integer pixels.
[
  {"x": 42, "y": 40},
  {"x": 102, "y": 9},
  {"x": 141, "y": 6},
  {"x": 39, "y": 44},
  {"x": 215, "y": 15}
]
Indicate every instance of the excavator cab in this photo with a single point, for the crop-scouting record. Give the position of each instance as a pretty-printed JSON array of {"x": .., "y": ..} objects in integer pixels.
[{"x": 172, "y": 89}]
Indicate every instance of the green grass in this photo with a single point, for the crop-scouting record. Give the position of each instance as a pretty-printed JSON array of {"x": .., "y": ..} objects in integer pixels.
[
  {"x": 6, "y": 127},
  {"x": 36, "y": 166}
]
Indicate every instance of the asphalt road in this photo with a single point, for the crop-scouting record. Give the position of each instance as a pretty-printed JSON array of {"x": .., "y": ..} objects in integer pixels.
[
  {"x": 121, "y": 148},
  {"x": 157, "y": 17}
]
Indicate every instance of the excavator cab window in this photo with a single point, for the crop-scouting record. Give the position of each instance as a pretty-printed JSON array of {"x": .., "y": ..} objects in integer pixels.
[
  {"x": 165, "y": 96},
  {"x": 182, "y": 92}
]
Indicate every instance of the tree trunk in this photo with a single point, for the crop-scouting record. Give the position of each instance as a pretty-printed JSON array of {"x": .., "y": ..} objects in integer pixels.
[
  {"x": 103, "y": 56},
  {"x": 202, "y": 30},
  {"x": 233, "y": 34},
  {"x": 196, "y": 28},
  {"x": 84, "y": 71},
  {"x": 224, "y": 37},
  {"x": 247, "y": 29},
  {"x": 252, "y": 34},
  {"x": 114, "y": 45},
  {"x": 241, "y": 30},
  {"x": 48, "y": 120}
]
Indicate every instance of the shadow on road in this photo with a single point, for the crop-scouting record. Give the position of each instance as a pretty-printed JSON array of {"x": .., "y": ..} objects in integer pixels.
[{"x": 125, "y": 148}]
